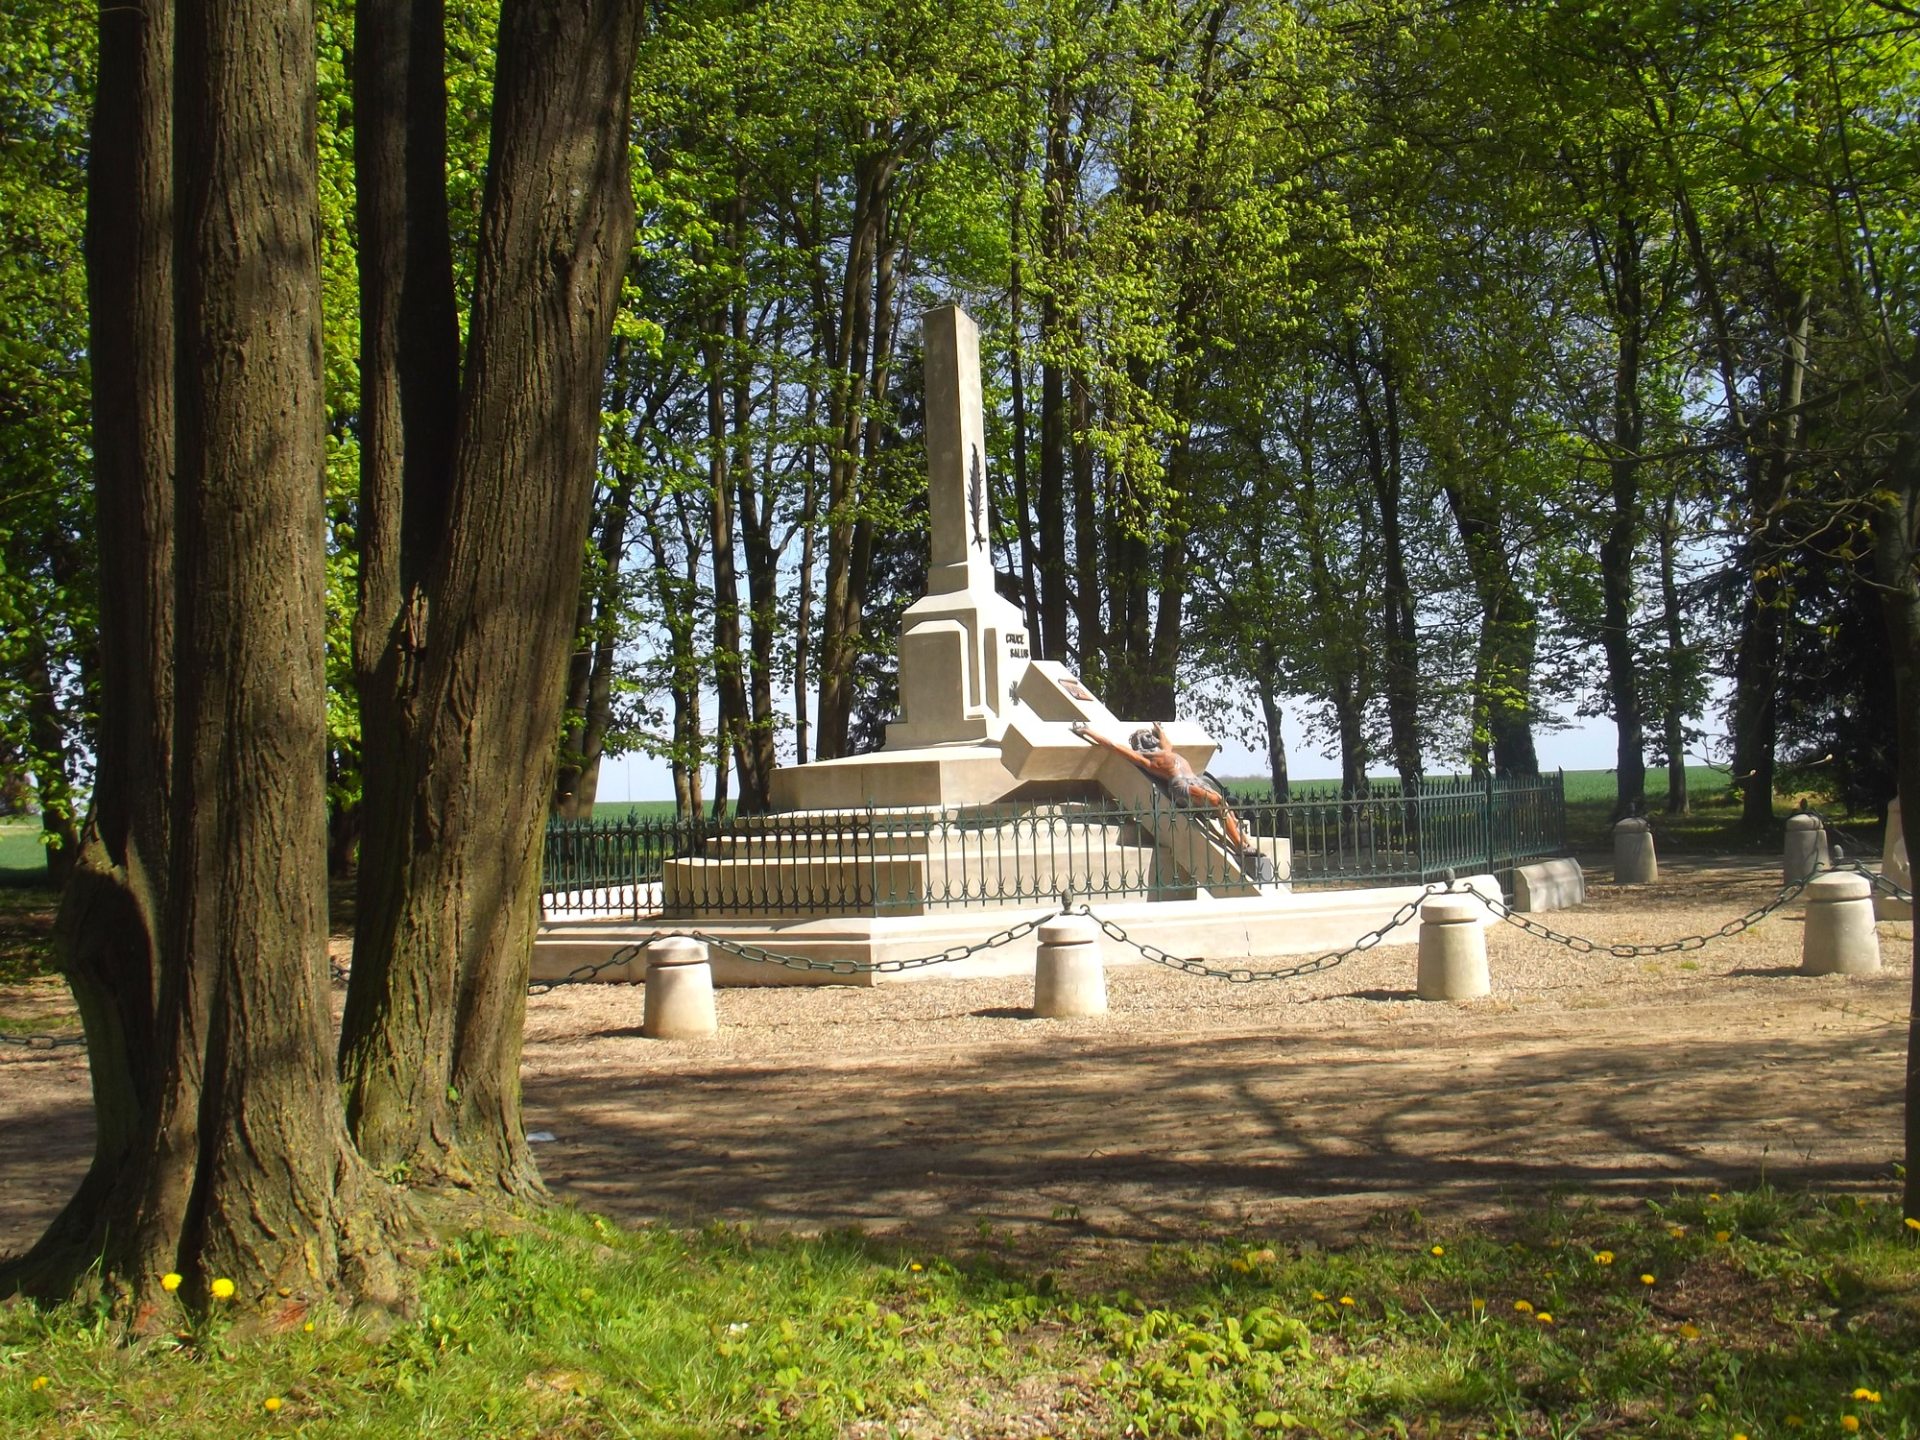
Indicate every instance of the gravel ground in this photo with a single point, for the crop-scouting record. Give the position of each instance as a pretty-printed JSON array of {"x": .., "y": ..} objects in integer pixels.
[{"x": 941, "y": 1109}]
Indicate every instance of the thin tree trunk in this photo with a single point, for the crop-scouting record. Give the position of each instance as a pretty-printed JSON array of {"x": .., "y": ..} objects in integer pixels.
[
  {"x": 1503, "y": 658},
  {"x": 1267, "y": 667},
  {"x": 1017, "y": 368},
  {"x": 1086, "y": 537},
  {"x": 1618, "y": 545},
  {"x": 729, "y": 661},
  {"x": 1056, "y": 433},
  {"x": 1380, "y": 433},
  {"x": 846, "y": 419},
  {"x": 1673, "y": 703},
  {"x": 1770, "y": 459},
  {"x": 763, "y": 579}
]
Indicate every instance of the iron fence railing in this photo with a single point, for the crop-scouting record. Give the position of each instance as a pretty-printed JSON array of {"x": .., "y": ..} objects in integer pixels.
[{"x": 876, "y": 862}]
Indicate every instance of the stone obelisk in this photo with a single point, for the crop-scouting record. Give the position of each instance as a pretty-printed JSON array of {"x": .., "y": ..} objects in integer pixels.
[{"x": 963, "y": 647}]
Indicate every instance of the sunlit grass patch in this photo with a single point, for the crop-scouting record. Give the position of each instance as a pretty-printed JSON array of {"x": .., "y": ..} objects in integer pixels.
[{"x": 563, "y": 1324}]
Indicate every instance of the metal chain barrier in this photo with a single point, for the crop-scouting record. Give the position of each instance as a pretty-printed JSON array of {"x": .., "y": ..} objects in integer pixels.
[
  {"x": 581, "y": 974},
  {"x": 1876, "y": 879},
  {"x": 1241, "y": 975},
  {"x": 1583, "y": 946},
  {"x": 760, "y": 955},
  {"x": 44, "y": 1040}
]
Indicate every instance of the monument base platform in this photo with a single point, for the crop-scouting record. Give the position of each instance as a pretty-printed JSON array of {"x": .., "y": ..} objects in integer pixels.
[
  {"x": 1223, "y": 932},
  {"x": 931, "y": 776}
]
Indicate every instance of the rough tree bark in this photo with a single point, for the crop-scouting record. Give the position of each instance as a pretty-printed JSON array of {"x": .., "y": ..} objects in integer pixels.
[
  {"x": 430, "y": 1050},
  {"x": 240, "y": 1166},
  {"x": 1400, "y": 650},
  {"x": 1627, "y": 299},
  {"x": 113, "y": 912},
  {"x": 1673, "y": 702},
  {"x": 1895, "y": 517}
]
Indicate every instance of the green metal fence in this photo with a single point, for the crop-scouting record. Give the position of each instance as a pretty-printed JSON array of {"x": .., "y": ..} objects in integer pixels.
[{"x": 877, "y": 862}]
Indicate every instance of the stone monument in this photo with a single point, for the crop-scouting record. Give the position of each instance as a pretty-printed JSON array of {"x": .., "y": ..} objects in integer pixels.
[
  {"x": 982, "y": 721},
  {"x": 987, "y": 757}
]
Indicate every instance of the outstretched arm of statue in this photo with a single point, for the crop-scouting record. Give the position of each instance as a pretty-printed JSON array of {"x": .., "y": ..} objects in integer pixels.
[{"x": 1093, "y": 737}]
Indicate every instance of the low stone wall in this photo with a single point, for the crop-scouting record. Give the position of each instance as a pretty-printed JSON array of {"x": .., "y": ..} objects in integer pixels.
[
  {"x": 1223, "y": 932},
  {"x": 1549, "y": 885}
]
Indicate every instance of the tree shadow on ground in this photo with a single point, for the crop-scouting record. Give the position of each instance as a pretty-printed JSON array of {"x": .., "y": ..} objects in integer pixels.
[{"x": 1147, "y": 1142}]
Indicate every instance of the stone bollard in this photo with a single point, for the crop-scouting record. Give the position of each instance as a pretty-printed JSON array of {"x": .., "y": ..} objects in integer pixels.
[
  {"x": 1894, "y": 866},
  {"x": 1840, "y": 938},
  {"x": 1453, "y": 950},
  {"x": 679, "y": 990},
  {"x": 1068, "y": 977},
  {"x": 1806, "y": 847},
  {"x": 1633, "y": 858}
]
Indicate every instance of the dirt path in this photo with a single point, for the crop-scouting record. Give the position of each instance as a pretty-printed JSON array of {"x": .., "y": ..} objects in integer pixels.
[{"x": 936, "y": 1107}]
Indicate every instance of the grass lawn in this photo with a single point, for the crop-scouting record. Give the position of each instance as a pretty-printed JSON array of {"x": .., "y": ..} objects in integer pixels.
[
  {"x": 1698, "y": 1315},
  {"x": 23, "y": 859}
]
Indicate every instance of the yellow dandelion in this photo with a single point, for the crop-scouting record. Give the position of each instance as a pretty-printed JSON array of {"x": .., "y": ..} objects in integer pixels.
[
  {"x": 915, "y": 1267},
  {"x": 222, "y": 1289},
  {"x": 1849, "y": 1423},
  {"x": 1739, "y": 1435},
  {"x": 1689, "y": 1331},
  {"x": 1476, "y": 1305},
  {"x": 1723, "y": 1236},
  {"x": 1913, "y": 1222},
  {"x": 170, "y": 1282},
  {"x": 1603, "y": 1257},
  {"x": 1872, "y": 1397},
  {"x": 1713, "y": 1197},
  {"x": 1346, "y": 1300},
  {"x": 1525, "y": 1307},
  {"x": 270, "y": 1404},
  {"x": 1319, "y": 1295},
  {"x": 1677, "y": 1231},
  {"x": 1646, "y": 1279},
  {"x": 1438, "y": 1250},
  {"x": 40, "y": 1382},
  {"x": 308, "y": 1327},
  {"x": 1544, "y": 1318}
]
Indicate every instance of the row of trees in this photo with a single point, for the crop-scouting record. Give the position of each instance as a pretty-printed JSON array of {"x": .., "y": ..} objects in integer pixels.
[
  {"x": 1428, "y": 370},
  {"x": 1416, "y": 365}
]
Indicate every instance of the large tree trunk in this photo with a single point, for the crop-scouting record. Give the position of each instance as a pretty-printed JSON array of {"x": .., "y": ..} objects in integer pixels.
[
  {"x": 243, "y": 1168},
  {"x": 1895, "y": 512},
  {"x": 431, "y": 1049},
  {"x": 113, "y": 913}
]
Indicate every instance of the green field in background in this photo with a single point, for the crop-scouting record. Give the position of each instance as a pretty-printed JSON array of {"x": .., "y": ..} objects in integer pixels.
[
  {"x": 1583, "y": 787},
  {"x": 23, "y": 860}
]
